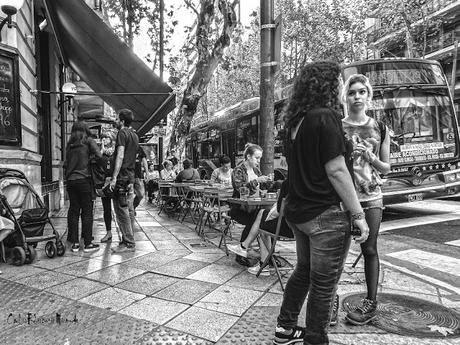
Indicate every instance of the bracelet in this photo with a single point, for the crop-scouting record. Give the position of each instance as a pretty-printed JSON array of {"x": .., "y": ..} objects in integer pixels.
[{"x": 358, "y": 216}]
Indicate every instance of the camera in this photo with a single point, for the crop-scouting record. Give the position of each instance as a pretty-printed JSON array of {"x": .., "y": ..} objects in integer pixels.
[{"x": 122, "y": 194}]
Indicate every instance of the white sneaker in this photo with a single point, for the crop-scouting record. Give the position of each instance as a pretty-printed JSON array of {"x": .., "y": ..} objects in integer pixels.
[
  {"x": 238, "y": 250},
  {"x": 254, "y": 269}
]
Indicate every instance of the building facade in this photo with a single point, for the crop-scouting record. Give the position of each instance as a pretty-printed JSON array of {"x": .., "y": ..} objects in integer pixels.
[
  {"x": 50, "y": 43},
  {"x": 439, "y": 43}
]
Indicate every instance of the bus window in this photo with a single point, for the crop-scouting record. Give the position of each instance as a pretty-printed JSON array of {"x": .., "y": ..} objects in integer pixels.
[{"x": 246, "y": 133}]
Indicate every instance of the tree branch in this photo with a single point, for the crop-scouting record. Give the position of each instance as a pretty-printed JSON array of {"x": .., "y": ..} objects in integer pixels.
[{"x": 190, "y": 5}]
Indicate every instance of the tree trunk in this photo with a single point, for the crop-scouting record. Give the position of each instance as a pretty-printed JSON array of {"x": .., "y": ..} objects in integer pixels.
[
  {"x": 208, "y": 60},
  {"x": 130, "y": 23}
]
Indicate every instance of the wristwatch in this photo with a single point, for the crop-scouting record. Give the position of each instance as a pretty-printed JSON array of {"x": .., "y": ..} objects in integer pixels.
[{"x": 358, "y": 216}]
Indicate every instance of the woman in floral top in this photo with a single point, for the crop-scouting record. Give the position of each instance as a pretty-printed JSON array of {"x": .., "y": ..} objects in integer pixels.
[
  {"x": 371, "y": 157},
  {"x": 247, "y": 174}
]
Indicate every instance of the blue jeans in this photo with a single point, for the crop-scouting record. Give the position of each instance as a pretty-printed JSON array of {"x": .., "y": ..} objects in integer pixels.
[
  {"x": 322, "y": 246},
  {"x": 139, "y": 191},
  {"x": 125, "y": 216},
  {"x": 81, "y": 204}
]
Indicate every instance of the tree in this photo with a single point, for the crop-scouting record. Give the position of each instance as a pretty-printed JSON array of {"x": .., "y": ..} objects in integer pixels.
[
  {"x": 406, "y": 21},
  {"x": 320, "y": 30},
  {"x": 216, "y": 21},
  {"x": 126, "y": 17}
]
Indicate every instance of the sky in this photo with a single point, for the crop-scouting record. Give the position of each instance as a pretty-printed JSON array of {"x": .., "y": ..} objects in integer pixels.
[{"x": 186, "y": 17}]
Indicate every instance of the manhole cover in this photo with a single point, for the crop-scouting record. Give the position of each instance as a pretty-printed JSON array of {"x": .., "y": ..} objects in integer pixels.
[{"x": 410, "y": 316}]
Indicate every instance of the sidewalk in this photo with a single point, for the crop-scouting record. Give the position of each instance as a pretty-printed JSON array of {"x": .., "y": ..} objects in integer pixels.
[{"x": 175, "y": 289}]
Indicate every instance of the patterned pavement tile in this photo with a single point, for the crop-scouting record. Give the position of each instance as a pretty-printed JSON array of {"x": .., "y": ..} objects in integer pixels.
[
  {"x": 145, "y": 246},
  {"x": 173, "y": 244},
  {"x": 118, "y": 329},
  {"x": 248, "y": 333},
  {"x": 123, "y": 257},
  {"x": 270, "y": 300},
  {"x": 153, "y": 260},
  {"x": 154, "y": 310},
  {"x": 180, "y": 268},
  {"x": 147, "y": 283},
  {"x": 44, "y": 280},
  {"x": 140, "y": 236},
  {"x": 205, "y": 257},
  {"x": 186, "y": 291},
  {"x": 77, "y": 288},
  {"x": 115, "y": 274},
  {"x": 12, "y": 272},
  {"x": 85, "y": 267},
  {"x": 229, "y": 299},
  {"x": 215, "y": 274},
  {"x": 45, "y": 262},
  {"x": 164, "y": 335},
  {"x": 250, "y": 281},
  {"x": 112, "y": 298},
  {"x": 203, "y": 323}
]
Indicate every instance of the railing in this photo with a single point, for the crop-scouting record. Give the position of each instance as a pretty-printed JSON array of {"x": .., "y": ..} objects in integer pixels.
[
  {"x": 440, "y": 41},
  {"x": 375, "y": 31}
]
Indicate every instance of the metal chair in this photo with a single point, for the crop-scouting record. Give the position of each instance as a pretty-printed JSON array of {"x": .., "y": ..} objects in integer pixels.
[
  {"x": 275, "y": 237},
  {"x": 214, "y": 212},
  {"x": 169, "y": 199}
]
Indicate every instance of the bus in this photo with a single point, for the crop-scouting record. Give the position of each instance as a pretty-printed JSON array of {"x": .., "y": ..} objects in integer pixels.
[
  {"x": 228, "y": 131},
  {"x": 411, "y": 96}
]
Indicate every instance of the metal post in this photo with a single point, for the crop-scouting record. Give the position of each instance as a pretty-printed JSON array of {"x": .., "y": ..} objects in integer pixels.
[
  {"x": 162, "y": 9},
  {"x": 267, "y": 122},
  {"x": 454, "y": 68}
]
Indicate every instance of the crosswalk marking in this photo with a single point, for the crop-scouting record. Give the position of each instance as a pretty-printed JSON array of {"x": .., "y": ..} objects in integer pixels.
[
  {"x": 454, "y": 243},
  {"x": 434, "y": 261},
  {"x": 417, "y": 221}
]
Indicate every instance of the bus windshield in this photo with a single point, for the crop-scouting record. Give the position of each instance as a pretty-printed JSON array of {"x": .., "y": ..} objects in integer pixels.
[{"x": 421, "y": 123}]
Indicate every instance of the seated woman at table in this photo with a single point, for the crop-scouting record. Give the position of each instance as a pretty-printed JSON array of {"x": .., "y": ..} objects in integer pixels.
[
  {"x": 224, "y": 173},
  {"x": 168, "y": 172},
  {"x": 266, "y": 220},
  {"x": 247, "y": 174},
  {"x": 189, "y": 173}
]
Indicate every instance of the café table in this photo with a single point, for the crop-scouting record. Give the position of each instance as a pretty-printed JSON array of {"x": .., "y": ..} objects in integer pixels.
[{"x": 253, "y": 201}]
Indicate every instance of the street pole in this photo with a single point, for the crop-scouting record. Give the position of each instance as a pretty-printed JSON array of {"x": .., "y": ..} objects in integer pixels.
[
  {"x": 267, "y": 122},
  {"x": 454, "y": 68},
  {"x": 162, "y": 9}
]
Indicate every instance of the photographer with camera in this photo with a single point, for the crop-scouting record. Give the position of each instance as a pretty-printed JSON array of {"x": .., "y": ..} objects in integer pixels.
[{"x": 121, "y": 184}]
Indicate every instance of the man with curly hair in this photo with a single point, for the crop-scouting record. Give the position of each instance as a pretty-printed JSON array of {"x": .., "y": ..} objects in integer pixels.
[{"x": 320, "y": 188}]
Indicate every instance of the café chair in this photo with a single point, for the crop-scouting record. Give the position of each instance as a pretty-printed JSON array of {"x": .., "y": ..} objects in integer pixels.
[
  {"x": 275, "y": 237},
  {"x": 214, "y": 212},
  {"x": 168, "y": 198}
]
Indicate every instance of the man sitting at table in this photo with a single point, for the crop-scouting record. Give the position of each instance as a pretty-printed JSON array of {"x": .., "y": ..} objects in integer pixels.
[
  {"x": 266, "y": 220},
  {"x": 189, "y": 174}
]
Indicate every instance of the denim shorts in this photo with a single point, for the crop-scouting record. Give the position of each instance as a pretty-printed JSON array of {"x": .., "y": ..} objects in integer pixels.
[{"x": 377, "y": 203}]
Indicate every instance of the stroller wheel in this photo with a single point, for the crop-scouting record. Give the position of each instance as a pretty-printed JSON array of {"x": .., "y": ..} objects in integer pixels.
[
  {"x": 50, "y": 249},
  {"x": 19, "y": 256},
  {"x": 60, "y": 248},
  {"x": 31, "y": 254}
]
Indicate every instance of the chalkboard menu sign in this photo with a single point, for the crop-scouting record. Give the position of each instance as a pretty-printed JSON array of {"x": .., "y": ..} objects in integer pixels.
[{"x": 10, "y": 115}]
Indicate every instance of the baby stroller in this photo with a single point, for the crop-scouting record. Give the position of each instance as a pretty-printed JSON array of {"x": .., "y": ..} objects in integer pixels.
[{"x": 22, "y": 205}]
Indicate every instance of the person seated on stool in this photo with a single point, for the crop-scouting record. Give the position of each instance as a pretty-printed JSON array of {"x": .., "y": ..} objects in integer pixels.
[{"x": 266, "y": 220}]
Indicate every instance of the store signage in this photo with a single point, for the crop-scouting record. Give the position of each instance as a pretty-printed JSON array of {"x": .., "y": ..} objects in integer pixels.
[{"x": 10, "y": 116}]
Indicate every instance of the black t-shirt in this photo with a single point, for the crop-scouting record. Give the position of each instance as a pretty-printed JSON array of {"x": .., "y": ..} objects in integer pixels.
[
  {"x": 138, "y": 166},
  {"x": 319, "y": 139},
  {"x": 128, "y": 138}
]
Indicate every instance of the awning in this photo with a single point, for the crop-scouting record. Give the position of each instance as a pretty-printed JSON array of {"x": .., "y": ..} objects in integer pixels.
[{"x": 107, "y": 64}]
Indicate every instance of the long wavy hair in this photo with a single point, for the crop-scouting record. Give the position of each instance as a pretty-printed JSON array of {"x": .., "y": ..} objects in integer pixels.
[
  {"x": 317, "y": 86},
  {"x": 79, "y": 134}
]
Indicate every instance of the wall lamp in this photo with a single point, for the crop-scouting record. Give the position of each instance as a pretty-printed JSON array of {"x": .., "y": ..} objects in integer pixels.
[{"x": 10, "y": 8}]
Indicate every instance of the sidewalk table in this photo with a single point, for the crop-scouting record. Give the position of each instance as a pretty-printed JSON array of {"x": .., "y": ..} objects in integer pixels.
[{"x": 257, "y": 202}]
